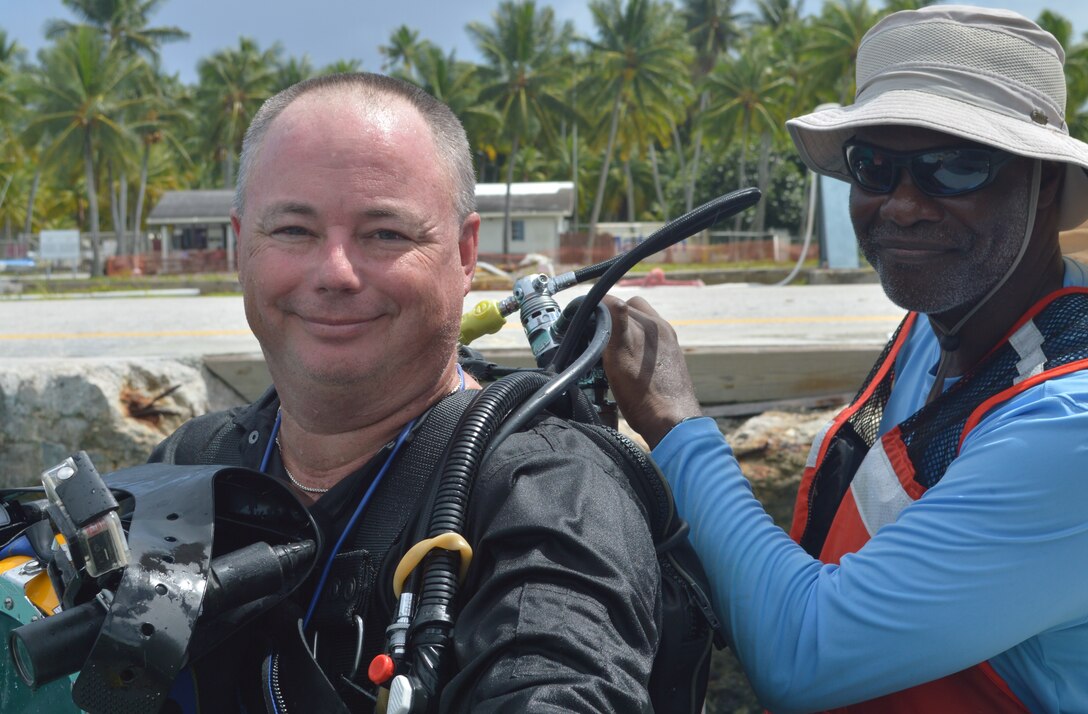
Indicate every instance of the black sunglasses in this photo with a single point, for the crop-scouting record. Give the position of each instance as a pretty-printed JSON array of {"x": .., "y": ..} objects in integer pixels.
[{"x": 951, "y": 171}]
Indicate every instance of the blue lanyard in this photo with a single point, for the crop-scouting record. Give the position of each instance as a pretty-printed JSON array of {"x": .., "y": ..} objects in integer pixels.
[
  {"x": 354, "y": 516},
  {"x": 362, "y": 503}
]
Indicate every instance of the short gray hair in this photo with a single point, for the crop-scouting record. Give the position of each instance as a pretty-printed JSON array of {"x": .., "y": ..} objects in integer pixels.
[{"x": 450, "y": 140}]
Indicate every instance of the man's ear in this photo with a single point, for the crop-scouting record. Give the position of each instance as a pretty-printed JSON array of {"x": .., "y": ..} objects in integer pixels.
[
  {"x": 468, "y": 243},
  {"x": 1050, "y": 184},
  {"x": 236, "y": 226}
]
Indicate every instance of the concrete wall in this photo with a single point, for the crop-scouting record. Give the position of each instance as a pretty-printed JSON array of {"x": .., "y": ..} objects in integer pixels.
[{"x": 726, "y": 375}]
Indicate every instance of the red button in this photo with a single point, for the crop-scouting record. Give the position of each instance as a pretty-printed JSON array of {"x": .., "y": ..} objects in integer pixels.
[{"x": 381, "y": 669}]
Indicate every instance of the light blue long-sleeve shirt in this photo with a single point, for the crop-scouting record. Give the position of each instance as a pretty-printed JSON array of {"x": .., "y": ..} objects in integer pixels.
[{"x": 990, "y": 564}]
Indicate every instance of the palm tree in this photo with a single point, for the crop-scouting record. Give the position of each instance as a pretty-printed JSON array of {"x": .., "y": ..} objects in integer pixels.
[
  {"x": 10, "y": 54},
  {"x": 403, "y": 51},
  {"x": 833, "y": 51},
  {"x": 232, "y": 85},
  {"x": 293, "y": 71},
  {"x": 10, "y": 147},
  {"x": 408, "y": 57},
  {"x": 1076, "y": 70},
  {"x": 16, "y": 153},
  {"x": 639, "y": 133},
  {"x": 457, "y": 85},
  {"x": 891, "y": 6},
  {"x": 125, "y": 25},
  {"x": 523, "y": 77},
  {"x": 712, "y": 27},
  {"x": 34, "y": 142},
  {"x": 124, "y": 22},
  {"x": 158, "y": 125},
  {"x": 342, "y": 66},
  {"x": 443, "y": 77},
  {"x": 34, "y": 155},
  {"x": 10, "y": 164},
  {"x": 81, "y": 90},
  {"x": 777, "y": 14},
  {"x": 780, "y": 23},
  {"x": 641, "y": 59},
  {"x": 748, "y": 92}
]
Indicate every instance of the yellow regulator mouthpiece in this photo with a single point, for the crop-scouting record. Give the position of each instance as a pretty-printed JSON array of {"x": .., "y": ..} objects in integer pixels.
[{"x": 484, "y": 319}]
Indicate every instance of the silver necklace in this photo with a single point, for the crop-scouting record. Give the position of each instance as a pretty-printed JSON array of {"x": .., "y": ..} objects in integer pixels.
[{"x": 283, "y": 462}]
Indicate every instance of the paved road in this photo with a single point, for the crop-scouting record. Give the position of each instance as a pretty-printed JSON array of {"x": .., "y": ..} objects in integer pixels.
[{"x": 712, "y": 316}]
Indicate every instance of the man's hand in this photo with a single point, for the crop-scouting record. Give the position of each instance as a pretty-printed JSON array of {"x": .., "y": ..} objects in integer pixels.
[{"x": 646, "y": 370}]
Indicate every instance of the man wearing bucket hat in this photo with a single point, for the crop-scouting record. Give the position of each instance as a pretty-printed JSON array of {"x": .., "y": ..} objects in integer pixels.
[{"x": 939, "y": 551}]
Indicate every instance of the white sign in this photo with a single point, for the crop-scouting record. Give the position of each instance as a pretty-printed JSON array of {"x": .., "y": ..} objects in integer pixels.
[{"x": 59, "y": 245}]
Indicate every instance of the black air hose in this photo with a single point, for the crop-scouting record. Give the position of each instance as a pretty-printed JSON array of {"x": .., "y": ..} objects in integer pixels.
[
  {"x": 551, "y": 389},
  {"x": 432, "y": 624},
  {"x": 439, "y": 584},
  {"x": 472, "y": 437},
  {"x": 674, "y": 231}
]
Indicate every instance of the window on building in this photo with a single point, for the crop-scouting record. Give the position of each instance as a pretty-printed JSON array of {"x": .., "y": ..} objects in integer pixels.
[{"x": 517, "y": 231}]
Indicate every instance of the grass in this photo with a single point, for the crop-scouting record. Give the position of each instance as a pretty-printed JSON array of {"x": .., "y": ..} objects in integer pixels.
[{"x": 208, "y": 283}]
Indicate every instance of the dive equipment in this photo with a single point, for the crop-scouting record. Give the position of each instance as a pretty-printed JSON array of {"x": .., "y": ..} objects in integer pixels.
[
  {"x": 153, "y": 566},
  {"x": 199, "y": 551},
  {"x": 420, "y": 634}
]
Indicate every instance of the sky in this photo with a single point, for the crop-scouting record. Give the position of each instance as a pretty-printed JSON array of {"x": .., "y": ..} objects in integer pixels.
[{"x": 328, "y": 30}]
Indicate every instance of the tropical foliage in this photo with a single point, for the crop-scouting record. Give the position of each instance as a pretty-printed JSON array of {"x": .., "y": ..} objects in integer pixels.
[{"x": 655, "y": 108}]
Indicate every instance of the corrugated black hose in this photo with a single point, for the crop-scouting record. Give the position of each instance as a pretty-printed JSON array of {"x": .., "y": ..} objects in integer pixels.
[{"x": 433, "y": 622}]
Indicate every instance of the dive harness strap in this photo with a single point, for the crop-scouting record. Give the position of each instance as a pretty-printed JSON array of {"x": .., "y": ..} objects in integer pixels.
[{"x": 353, "y": 582}]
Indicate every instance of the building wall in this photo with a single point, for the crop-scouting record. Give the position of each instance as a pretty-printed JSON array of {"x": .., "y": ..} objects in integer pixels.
[
  {"x": 541, "y": 234},
  {"x": 200, "y": 236}
]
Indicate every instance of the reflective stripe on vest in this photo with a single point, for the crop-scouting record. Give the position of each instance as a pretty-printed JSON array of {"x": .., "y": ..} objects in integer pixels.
[{"x": 885, "y": 481}]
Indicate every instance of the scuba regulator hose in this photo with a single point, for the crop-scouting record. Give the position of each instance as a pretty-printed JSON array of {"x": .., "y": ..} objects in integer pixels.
[
  {"x": 431, "y": 627},
  {"x": 672, "y": 232},
  {"x": 424, "y": 625},
  {"x": 610, "y": 271}
]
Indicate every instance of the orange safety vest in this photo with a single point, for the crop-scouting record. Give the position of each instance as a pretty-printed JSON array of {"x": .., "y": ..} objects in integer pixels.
[{"x": 855, "y": 482}]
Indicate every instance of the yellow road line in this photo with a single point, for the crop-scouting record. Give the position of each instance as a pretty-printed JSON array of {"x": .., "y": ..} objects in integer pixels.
[
  {"x": 796, "y": 319},
  {"x": 811, "y": 319}
]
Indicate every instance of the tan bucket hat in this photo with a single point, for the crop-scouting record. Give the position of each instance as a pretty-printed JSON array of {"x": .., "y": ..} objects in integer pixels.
[{"x": 989, "y": 76}]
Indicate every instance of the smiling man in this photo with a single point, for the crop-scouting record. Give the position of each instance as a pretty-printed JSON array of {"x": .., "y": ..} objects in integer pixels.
[
  {"x": 357, "y": 236},
  {"x": 356, "y": 249},
  {"x": 939, "y": 551}
]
